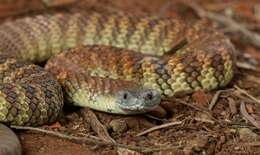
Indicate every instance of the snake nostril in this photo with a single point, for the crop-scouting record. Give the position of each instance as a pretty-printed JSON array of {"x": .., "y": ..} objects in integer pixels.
[
  {"x": 149, "y": 95},
  {"x": 125, "y": 96}
]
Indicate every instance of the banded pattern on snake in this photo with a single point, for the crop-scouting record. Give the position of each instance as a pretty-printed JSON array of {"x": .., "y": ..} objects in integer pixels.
[{"x": 175, "y": 58}]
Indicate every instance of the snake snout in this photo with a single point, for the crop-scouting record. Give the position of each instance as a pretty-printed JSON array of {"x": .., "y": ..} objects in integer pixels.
[
  {"x": 138, "y": 101},
  {"x": 151, "y": 99}
]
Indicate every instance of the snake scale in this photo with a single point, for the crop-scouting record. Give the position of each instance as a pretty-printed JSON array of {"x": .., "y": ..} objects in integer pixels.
[{"x": 106, "y": 74}]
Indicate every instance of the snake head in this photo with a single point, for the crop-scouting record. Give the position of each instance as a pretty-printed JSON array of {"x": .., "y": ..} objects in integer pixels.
[{"x": 138, "y": 100}]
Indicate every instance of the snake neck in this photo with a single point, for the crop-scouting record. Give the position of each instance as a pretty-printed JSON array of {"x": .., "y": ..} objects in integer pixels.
[{"x": 100, "y": 102}]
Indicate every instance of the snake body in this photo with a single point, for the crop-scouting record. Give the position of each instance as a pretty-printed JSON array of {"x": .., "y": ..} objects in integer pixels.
[
  {"x": 9, "y": 144},
  {"x": 172, "y": 58}
]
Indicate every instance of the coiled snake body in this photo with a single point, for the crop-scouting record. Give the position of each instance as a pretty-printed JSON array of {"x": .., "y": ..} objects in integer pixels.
[{"x": 112, "y": 79}]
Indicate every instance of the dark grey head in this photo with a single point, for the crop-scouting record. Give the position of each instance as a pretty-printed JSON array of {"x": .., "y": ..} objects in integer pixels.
[{"x": 136, "y": 101}]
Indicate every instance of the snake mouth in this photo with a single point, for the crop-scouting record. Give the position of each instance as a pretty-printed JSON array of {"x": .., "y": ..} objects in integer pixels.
[
  {"x": 138, "y": 102},
  {"x": 136, "y": 109}
]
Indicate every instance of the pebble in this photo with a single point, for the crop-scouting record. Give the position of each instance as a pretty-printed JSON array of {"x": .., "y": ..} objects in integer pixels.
[{"x": 118, "y": 125}]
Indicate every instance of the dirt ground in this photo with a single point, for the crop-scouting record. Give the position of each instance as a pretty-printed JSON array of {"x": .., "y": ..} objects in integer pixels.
[{"x": 218, "y": 122}]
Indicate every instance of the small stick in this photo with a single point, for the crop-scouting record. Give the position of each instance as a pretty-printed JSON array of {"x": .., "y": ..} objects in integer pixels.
[
  {"x": 214, "y": 99},
  {"x": 156, "y": 118},
  {"x": 257, "y": 143},
  {"x": 200, "y": 109},
  {"x": 160, "y": 127},
  {"x": 247, "y": 94},
  {"x": 190, "y": 105},
  {"x": 204, "y": 120},
  {"x": 91, "y": 140},
  {"x": 245, "y": 65},
  {"x": 232, "y": 105},
  {"x": 90, "y": 117},
  {"x": 247, "y": 116}
]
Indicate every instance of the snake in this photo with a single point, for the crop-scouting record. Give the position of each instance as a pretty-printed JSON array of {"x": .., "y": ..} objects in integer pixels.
[{"x": 115, "y": 63}]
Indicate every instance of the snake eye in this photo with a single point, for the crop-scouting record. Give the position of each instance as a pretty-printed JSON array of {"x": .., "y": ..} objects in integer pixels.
[
  {"x": 125, "y": 96},
  {"x": 149, "y": 96}
]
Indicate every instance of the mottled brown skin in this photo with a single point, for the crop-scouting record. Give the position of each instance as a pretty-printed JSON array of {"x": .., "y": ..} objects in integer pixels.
[
  {"x": 126, "y": 65},
  {"x": 202, "y": 59},
  {"x": 29, "y": 95},
  {"x": 181, "y": 59},
  {"x": 37, "y": 38}
]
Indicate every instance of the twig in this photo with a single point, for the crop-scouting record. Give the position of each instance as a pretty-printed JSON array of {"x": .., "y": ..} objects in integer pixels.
[
  {"x": 247, "y": 116},
  {"x": 257, "y": 143},
  {"x": 248, "y": 26},
  {"x": 245, "y": 65},
  {"x": 91, "y": 140},
  {"x": 254, "y": 37},
  {"x": 190, "y": 105},
  {"x": 204, "y": 120},
  {"x": 160, "y": 127},
  {"x": 199, "y": 109},
  {"x": 252, "y": 26},
  {"x": 247, "y": 94},
  {"x": 232, "y": 105},
  {"x": 90, "y": 117},
  {"x": 239, "y": 125},
  {"x": 214, "y": 99},
  {"x": 156, "y": 118},
  {"x": 87, "y": 135}
]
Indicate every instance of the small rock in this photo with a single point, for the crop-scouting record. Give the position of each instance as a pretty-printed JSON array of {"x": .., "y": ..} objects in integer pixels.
[
  {"x": 118, "y": 125},
  {"x": 245, "y": 134}
]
